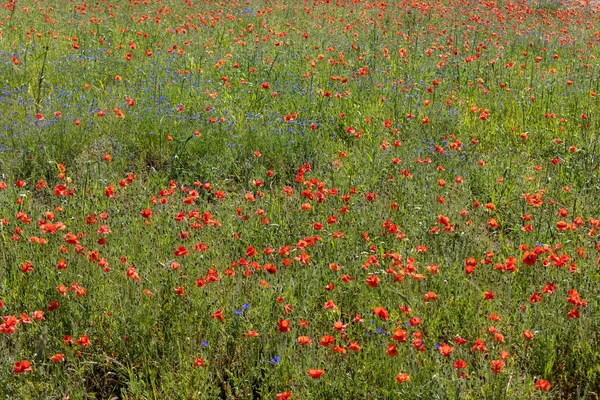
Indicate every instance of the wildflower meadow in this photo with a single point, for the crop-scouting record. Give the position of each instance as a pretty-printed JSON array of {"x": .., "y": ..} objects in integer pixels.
[{"x": 311, "y": 199}]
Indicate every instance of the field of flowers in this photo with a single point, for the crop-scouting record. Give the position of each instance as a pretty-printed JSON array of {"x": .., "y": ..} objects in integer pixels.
[{"x": 345, "y": 199}]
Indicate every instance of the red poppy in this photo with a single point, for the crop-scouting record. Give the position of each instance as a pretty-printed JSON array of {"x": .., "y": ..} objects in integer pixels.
[
  {"x": 381, "y": 313},
  {"x": 132, "y": 273},
  {"x": 479, "y": 345},
  {"x": 180, "y": 291},
  {"x": 373, "y": 281},
  {"x": 304, "y": 340},
  {"x": 329, "y": 305},
  {"x": 181, "y": 252},
  {"x": 38, "y": 315},
  {"x": 303, "y": 323},
  {"x": 429, "y": 296},
  {"x": 315, "y": 373},
  {"x": 57, "y": 358},
  {"x": 327, "y": 341},
  {"x": 339, "y": 349},
  {"x": 392, "y": 350},
  {"x": 9, "y": 324},
  {"x": 146, "y": 213},
  {"x": 497, "y": 366},
  {"x": 198, "y": 362},
  {"x": 399, "y": 335},
  {"x": 535, "y": 297},
  {"x": 575, "y": 299},
  {"x": 459, "y": 340},
  {"x": 217, "y": 315},
  {"x": 402, "y": 377},
  {"x": 542, "y": 384},
  {"x": 446, "y": 349},
  {"x": 22, "y": 367},
  {"x": 354, "y": 345},
  {"x": 83, "y": 341},
  {"x": 529, "y": 258},
  {"x": 283, "y": 325},
  {"x": 470, "y": 264}
]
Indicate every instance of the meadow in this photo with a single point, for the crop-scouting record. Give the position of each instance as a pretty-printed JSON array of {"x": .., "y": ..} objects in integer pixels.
[{"x": 343, "y": 199}]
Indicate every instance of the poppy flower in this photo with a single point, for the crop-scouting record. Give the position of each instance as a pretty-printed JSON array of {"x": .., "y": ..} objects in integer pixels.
[
  {"x": 429, "y": 296},
  {"x": 458, "y": 340},
  {"x": 9, "y": 324},
  {"x": 283, "y": 325},
  {"x": 83, "y": 341},
  {"x": 381, "y": 313},
  {"x": 372, "y": 281},
  {"x": 527, "y": 334},
  {"x": 303, "y": 323},
  {"x": 339, "y": 349},
  {"x": 38, "y": 315},
  {"x": 146, "y": 213},
  {"x": 489, "y": 295},
  {"x": 217, "y": 315},
  {"x": 535, "y": 298},
  {"x": 354, "y": 345},
  {"x": 198, "y": 362},
  {"x": 399, "y": 335},
  {"x": 181, "y": 252},
  {"x": 327, "y": 341},
  {"x": 132, "y": 273},
  {"x": 339, "y": 326},
  {"x": 283, "y": 396},
  {"x": 180, "y": 291},
  {"x": 392, "y": 350},
  {"x": 418, "y": 345},
  {"x": 470, "y": 264},
  {"x": 57, "y": 358},
  {"x": 304, "y": 340},
  {"x": 315, "y": 373},
  {"x": 542, "y": 384},
  {"x": 575, "y": 299},
  {"x": 497, "y": 366},
  {"x": 21, "y": 367},
  {"x": 479, "y": 345},
  {"x": 574, "y": 313},
  {"x": 402, "y": 377},
  {"x": 329, "y": 305},
  {"x": 492, "y": 223},
  {"x": 529, "y": 258},
  {"x": 446, "y": 349}
]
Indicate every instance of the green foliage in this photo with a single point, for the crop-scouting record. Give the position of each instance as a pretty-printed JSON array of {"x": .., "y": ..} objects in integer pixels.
[{"x": 388, "y": 146}]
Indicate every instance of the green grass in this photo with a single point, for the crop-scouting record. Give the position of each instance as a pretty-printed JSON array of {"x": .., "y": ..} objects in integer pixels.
[{"x": 248, "y": 126}]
